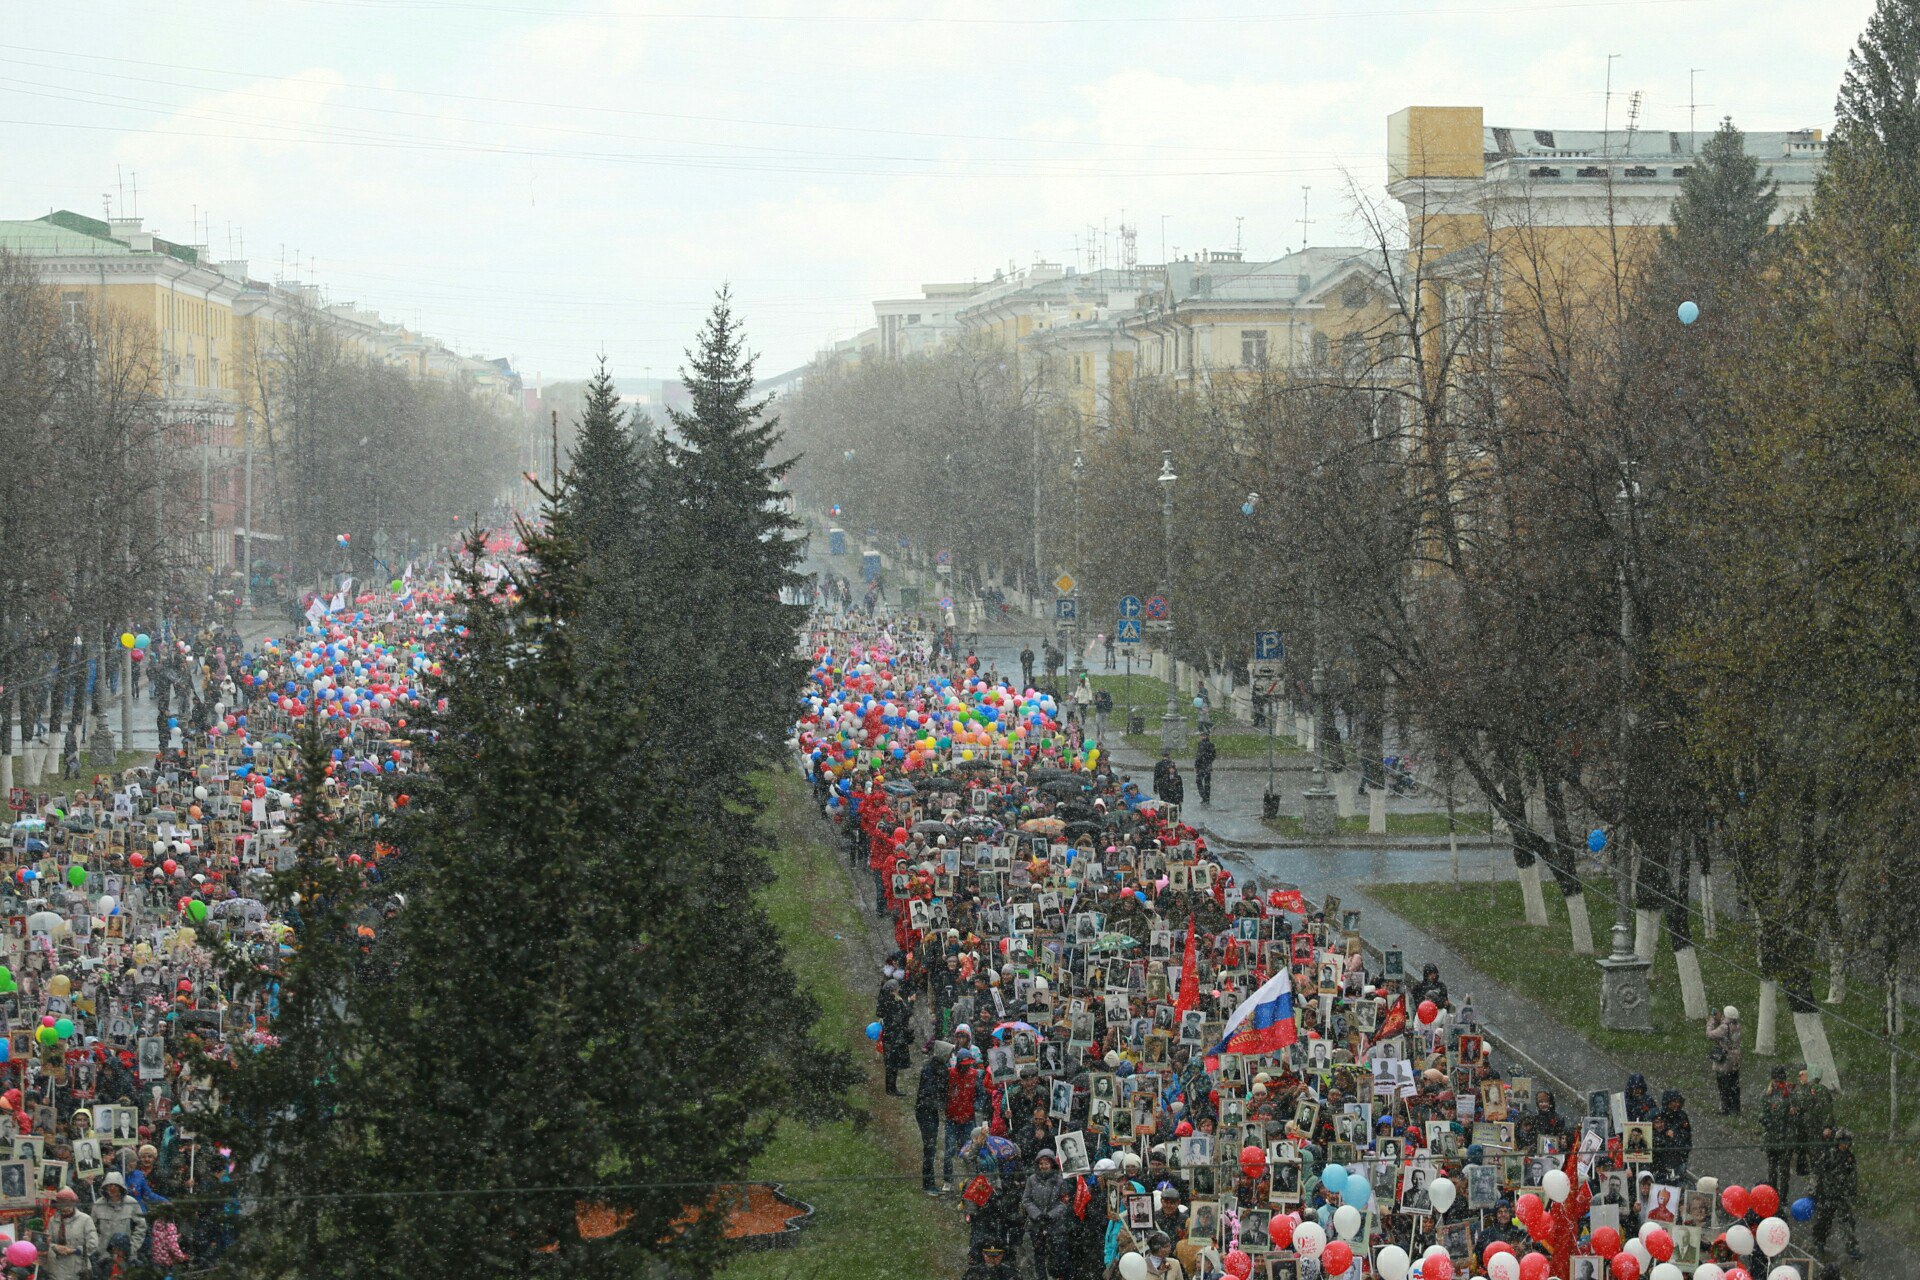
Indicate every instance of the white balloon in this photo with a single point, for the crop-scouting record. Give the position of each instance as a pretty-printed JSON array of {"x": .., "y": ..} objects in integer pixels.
[
  {"x": 1740, "y": 1239},
  {"x": 1665, "y": 1271},
  {"x": 1440, "y": 1193},
  {"x": 1647, "y": 1228},
  {"x": 1709, "y": 1271},
  {"x": 1503, "y": 1266},
  {"x": 1784, "y": 1272},
  {"x": 1557, "y": 1186},
  {"x": 1392, "y": 1263},
  {"x": 1434, "y": 1251},
  {"x": 1346, "y": 1220},
  {"x": 1708, "y": 1185},
  {"x": 1773, "y": 1235},
  {"x": 1640, "y": 1254},
  {"x": 1309, "y": 1239},
  {"x": 1133, "y": 1266}
]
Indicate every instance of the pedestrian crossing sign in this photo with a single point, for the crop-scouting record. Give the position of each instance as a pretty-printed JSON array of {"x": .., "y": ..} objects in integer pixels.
[{"x": 1127, "y": 631}]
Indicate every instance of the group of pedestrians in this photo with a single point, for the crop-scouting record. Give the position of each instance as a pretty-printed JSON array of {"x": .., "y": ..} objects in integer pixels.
[{"x": 1124, "y": 1062}]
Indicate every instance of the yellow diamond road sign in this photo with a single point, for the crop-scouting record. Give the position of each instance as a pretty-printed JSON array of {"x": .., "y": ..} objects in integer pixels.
[{"x": 1065, "y": 582}]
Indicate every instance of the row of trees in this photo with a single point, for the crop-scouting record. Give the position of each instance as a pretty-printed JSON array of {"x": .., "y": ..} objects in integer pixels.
[
  {"x": 1604, "y": 568},
  {"x": 582, "y": 1001},
  {"x": 109, "y": 482},
  {"x": 392, "y": 460}
]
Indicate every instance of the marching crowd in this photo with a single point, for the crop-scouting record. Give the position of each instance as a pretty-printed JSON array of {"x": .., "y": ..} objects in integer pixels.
[
  {"x": 1133, "y": 1063},
  {"x": 122, "y": 894}
]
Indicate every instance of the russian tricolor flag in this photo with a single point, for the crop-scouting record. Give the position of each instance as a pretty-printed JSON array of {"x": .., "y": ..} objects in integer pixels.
[{"x": 1262, "y": 1024}]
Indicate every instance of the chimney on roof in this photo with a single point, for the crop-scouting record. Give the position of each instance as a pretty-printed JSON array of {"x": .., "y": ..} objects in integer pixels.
[
  {"x": 235, "y": 269},
  {"x": 128, "y": 231}
]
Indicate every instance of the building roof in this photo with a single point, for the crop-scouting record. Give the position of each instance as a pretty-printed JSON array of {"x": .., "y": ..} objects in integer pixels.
[
  {"x": 39, "y": 238},
  {"x": 1503, "y": 141}
]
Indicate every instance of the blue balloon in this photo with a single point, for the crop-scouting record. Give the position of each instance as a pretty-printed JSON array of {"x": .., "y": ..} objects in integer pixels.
[
  {"x": 1356, "y": 1192},
  {"x": 873, "y": 1031},
  {"x": 1596, "y": 840},
  {"x": 1334, "y": 1178},
  {"x": 1803, "y": 1208},
  {"x": 1246, "y": 508},
  {"x": 1689, "y": 312}
]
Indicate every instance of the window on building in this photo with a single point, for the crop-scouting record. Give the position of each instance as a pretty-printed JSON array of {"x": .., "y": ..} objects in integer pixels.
[
  {"x": 1353, "y": 353},
  {"x": 1322, "y": 348},
  {"x": 1354, "y": 296},
  {"x": 1253, "y": 348},
  {"x": 73, "y": 307}
]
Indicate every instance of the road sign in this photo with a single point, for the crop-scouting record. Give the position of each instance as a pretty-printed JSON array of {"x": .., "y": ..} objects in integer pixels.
[
  {"x": 1066, "y": 609},
  {"x": 1157, "y": 609},
  {"x": 1127, "y": 631},
  {"x": 1130, "y": 607},
  {"x": 1268, "y": 688},
  {"x": 1268, "y": 647},
  {"x": 1064, "y": 583},
  {"x": 943, "y": 556},
  {"x": 1264, "y": 670},
  {"x": 946, "y": 603}
]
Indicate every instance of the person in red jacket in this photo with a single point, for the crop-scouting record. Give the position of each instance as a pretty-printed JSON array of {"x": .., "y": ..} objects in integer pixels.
[{"x": 963, "y": 1091}]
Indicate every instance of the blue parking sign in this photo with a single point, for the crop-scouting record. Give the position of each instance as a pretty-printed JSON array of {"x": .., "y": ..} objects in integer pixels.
[{"x": 1268, "y": 647}]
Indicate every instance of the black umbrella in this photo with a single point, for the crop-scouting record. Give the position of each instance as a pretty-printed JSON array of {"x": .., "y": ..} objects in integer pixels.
[
  {"x": 971, "y": 766},
  {"x": 1075, "y": 830},
  {"x": 932, "y": 828},
  {"x": 1060, "y": 787},
  {"x": 940, "y": 783},
  {"x": 898, "y": 788}
]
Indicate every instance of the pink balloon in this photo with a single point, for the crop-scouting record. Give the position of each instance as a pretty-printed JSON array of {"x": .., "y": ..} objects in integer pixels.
[{"x": 22, "y": 1253}]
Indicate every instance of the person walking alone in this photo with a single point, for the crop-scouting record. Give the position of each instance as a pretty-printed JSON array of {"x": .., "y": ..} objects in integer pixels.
[
  {"x": 1203, "y": 756},
  {"x": 1026, "y": 666},
  {"x": 1723, "y": 1052},
  {"x": 930, "y": 1108}
]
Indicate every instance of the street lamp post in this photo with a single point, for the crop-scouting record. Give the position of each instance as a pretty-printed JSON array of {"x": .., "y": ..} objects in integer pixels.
[
  {"x": 1319, "y": 811},
  {"x": 1626, "y": 1001},
  {"x": 1173, "y": 724},
  {"x": 1079, "y": 656}
]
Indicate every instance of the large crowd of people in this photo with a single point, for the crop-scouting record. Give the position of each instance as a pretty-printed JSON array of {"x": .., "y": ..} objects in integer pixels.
[
  {"x": 1132, "y": 1062},
  {"x": 122, "y": 889}
]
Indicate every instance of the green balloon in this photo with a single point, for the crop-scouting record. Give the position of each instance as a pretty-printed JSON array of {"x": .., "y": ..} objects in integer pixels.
[
  {"x": 64, "y": 1028},
  {"x": 197, "y": 910},
  {"x": 76, "y": 876}
]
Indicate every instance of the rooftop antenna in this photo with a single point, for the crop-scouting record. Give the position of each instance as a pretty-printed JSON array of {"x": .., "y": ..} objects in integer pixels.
[
  {"x": 106, "y": 205},
  {"x": 1633, "y": 118},
  {"x": 1693, "y": 141},
  {"x": 1238, "y": 221},
  {"x": 1129, "y": 246},
  {"x": 120, "y": 184},
  {"x": 1606, "y": 110},
  {"x": 134, "y": 184},
  {"x": 1163, "y": 239},
  {"x": 1305, "y": 221}
]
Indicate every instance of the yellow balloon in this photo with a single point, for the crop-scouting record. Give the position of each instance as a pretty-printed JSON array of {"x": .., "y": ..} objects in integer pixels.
[
  {"x": 61, "y": 985},
  {"x": 966, "y": 755}
]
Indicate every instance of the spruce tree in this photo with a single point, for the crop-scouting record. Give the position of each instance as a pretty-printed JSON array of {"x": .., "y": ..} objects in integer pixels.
[
  {"x": 1879, "y": 104},
  {"x": 295, "y": 1113},
  {"x": 1721, "y": 217},
  {"x": 727, "y": 533}
]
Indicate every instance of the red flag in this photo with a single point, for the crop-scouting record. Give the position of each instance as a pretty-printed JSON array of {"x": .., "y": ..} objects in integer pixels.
[
  {"x": 1189, "y": 977},
  {"x": 1288, "y": 900},
  {"x": 1082, "y": 1197},
  {"x": 1395, "y": 1022}
]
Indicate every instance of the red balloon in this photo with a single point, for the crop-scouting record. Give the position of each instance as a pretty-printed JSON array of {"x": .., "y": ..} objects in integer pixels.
[
  {"x": 1734, "y": 1201},
  {"x": 1280, "y": 1231},
  {"x": 1606, "y": 1241},
  {"x": 1336, "y": 1258},
  {"x": 1625, "y": 1267},
  {"x": 1435, "y": 1268},
  {"x": 1253, "y": 1161},
  {"x": 136, "y": 860},
  {"x": 169, "y": 866},
  {"x": 1764, "y": 1200},
  {"x": 1494, "y": 1250},
  {"x": 1535, "y": 1266},
  {"x": 1736, "y": 1273},
  {"x": 1427, "y": 1012},
  {"x": 1526, "y": 1207},
  {"x": 1659, "y": 1244},
  {"x": 1239, "y": 1265}
]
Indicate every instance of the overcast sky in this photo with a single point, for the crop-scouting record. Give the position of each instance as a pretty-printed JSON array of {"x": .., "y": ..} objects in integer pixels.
[{"x": 552, "y": 180}]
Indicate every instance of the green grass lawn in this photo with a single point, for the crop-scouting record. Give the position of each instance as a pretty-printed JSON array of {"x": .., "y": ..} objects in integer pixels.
[
  {"x": 870, "y": 1220},
  {"x": 1242, "y": 745},
  {"x": 1484, "y": 922},
  {"x": 1398, "y": 824}
]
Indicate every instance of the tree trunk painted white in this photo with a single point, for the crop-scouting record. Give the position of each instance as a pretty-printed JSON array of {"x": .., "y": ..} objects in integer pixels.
[
  {"x": 1581, "y": 923},
  {"x": 1812, "y": 1030},
  {"x": 1693, "y": 991},
  {"x": 1705, "y": 893},
  {"x": 1837, "y": 978},
  {"x": 1530, "y": 894},
  {"x": 1646, "y": 933},
  {"x": 1377, "y": 811},
  {"x": 1343, "y": 788},
  {"x": 1766, "y": 1035}
]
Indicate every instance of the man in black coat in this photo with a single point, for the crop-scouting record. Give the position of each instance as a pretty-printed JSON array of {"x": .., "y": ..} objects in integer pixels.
[{"x": 930, "y": 1108}]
